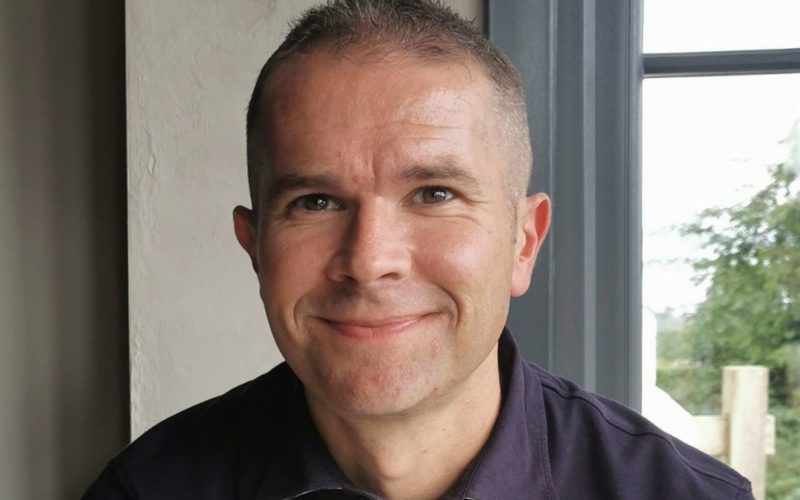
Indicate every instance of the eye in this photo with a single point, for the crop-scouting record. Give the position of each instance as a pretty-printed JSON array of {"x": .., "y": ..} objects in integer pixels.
[
  {"x": 433, "y": 195},
  {"x": 315, "y": 202}
]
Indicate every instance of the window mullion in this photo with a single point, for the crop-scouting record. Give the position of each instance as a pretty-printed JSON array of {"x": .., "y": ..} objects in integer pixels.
[{"x": 722, "y": 63}]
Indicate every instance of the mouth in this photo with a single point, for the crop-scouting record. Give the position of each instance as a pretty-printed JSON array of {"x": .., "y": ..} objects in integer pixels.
[{"x": 374, "y": 328}]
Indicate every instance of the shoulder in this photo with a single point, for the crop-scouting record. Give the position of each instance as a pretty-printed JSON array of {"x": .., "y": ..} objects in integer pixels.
[
  {"x": 216, "y": 422},
  {"x": 204, "y": 442},
  {"x": 597, "y": 444}
]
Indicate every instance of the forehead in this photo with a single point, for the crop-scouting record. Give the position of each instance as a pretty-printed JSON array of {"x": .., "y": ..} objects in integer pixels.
[{"x": 324, "y": 91}]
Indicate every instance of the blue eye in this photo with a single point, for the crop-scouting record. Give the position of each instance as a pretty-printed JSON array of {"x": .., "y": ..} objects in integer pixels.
[
  {"x": 433, "y": 195},
  {"x": 315, "y": 202}
]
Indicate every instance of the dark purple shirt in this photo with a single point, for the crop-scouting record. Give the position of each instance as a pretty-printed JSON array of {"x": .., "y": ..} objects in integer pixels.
[{"x": 552, "y": 440}]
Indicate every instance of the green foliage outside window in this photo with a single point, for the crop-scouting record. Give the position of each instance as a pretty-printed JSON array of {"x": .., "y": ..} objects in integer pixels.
[{"x": 751, "y": 314}]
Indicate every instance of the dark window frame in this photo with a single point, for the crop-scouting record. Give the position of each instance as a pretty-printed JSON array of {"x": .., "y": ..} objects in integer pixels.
[
  {"x": 583, "y": 67},
  {"x": 723, "y": 63}
]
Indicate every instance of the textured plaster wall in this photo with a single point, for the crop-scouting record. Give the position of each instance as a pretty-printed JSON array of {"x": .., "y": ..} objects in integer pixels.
[{"x": 197, "y": 326}]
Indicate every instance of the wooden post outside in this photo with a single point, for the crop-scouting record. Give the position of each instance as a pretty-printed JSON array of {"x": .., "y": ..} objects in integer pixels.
[{"x": 744, "y": 403}]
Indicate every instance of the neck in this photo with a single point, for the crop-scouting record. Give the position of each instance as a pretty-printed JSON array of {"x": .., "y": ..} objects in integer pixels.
[{"x": 420, "y": 454}]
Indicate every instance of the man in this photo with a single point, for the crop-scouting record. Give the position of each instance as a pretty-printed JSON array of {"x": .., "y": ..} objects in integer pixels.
[{"x": 388, "y": 160}]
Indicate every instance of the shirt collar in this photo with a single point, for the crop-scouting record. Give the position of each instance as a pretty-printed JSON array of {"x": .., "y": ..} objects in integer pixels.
[
  {"x": 514, "y": 461},
  {"x": 301, "y": 463},
  {"x": 512, "y": 464}
]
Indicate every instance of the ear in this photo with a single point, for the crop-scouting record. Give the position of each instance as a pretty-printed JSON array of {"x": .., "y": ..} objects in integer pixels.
[
  {"x": 532, "y": 226},
  {"x": 244, "y": 225}
]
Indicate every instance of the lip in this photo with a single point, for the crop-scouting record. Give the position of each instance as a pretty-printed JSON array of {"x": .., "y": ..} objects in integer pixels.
[{"x": 374, "y": 328}]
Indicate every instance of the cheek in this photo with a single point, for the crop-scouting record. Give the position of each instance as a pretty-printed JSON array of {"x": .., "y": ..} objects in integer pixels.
[
  {"x": 289, "y": 266},
  {"x": 472, "y": 265},
  {"x": 461, "y": 254}
]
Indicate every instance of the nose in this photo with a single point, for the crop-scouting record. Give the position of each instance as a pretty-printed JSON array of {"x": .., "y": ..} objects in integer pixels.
[{"x": 373, "y": 249}]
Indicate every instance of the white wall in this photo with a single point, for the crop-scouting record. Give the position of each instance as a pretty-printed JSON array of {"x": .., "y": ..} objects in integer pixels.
[{"x": 197, "y": 326}]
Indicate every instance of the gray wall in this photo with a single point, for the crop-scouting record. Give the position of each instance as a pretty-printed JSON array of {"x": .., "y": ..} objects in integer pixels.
[{"x": 63, "y": 351}]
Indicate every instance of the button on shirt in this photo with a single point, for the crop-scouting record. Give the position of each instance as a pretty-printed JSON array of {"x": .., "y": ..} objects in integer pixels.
[{"x": 551, "y": 440}]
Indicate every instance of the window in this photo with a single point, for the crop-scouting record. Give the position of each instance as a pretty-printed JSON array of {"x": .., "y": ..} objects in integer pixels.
[
  {"x": 585, "y": 75},
  {"x": 721, "y": 214},
  {"x": 720, "y": 25}
]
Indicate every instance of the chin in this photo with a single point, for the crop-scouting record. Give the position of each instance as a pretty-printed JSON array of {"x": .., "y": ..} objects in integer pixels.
[{"x": 378, "y": 393}]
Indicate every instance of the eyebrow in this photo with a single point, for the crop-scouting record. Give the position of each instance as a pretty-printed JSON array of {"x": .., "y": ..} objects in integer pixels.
[
  {"x": 293, "y": 182},
  {"x": 448, "y": 170}
]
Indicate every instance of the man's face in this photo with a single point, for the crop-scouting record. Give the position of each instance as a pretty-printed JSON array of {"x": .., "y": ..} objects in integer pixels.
[{"x": 385, "y": 246}]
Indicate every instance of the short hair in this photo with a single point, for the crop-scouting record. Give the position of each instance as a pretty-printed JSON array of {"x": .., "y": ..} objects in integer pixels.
[{"x": 426, "y": 29}]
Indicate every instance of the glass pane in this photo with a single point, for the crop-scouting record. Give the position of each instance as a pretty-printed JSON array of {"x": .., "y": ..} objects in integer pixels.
[
  {"x": 721, "y": 249},
  {"x": 710, "y": 25}
]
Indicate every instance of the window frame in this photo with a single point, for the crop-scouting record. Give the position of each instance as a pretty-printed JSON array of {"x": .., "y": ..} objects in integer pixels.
[
  {"x": 580, "y": 62},
  {"x": 723, "y": 63},
  {"x": 583, "y": 67}
]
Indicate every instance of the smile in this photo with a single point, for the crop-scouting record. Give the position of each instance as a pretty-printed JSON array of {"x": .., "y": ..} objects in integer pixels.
[{"x": 374, "y": 329}]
